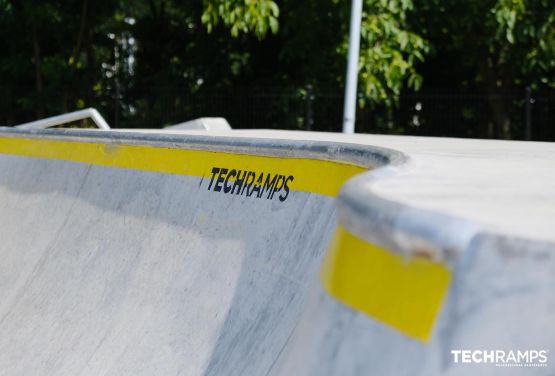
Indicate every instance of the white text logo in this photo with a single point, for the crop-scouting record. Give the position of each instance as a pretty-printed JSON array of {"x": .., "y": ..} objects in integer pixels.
[{"x": 501, "y": 358}]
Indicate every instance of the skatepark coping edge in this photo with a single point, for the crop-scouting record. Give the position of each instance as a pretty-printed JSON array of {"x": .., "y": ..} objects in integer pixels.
[{"x": 405, "y": 232}]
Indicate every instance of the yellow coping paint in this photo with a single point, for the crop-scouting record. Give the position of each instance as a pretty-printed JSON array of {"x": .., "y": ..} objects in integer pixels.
[
  {"x": 406, "y": 293},
  {"x": 315, "y": 176}
]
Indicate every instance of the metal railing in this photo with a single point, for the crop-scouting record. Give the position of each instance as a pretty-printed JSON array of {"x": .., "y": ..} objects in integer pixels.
[{"x": 67, "y": 118}]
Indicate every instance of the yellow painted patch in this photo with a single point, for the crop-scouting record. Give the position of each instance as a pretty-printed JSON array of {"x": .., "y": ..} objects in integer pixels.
[
  {"x": 311, "y": 175},
  {"x": 404, "y": 293}
]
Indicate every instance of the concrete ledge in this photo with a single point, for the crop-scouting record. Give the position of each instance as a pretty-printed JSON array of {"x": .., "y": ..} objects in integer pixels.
[{"x": 203, "y": 124}]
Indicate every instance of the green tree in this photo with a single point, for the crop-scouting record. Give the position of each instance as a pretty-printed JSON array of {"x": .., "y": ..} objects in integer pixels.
[
  {"x": 389, "y": 50},
  {"x": 242, "y": 16},
  {"x": 495, "y": 45},
  {"x": 135, "y": 59}
]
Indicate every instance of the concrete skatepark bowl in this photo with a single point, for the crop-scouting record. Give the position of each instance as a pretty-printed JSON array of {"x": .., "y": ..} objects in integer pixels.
[{"x": 273, "y": 253}]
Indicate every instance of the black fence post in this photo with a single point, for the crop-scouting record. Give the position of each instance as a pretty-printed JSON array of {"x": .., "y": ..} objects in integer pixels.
[
  {"x": 116, "y": 105},
  {"x": 528, "y": 109},
  {"x": 309, "y": 110}
]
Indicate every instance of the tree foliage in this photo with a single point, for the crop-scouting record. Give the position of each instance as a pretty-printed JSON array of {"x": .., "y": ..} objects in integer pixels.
[
  {"x": 242, "y": 16},
  {"x": 495, "y": 45},
  {"x": 64, "y": 55},
  {"x": 390, "y": 50}
]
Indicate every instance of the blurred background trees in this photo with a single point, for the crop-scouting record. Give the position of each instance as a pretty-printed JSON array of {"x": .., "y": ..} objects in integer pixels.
[{"x": 436, "y": 67}]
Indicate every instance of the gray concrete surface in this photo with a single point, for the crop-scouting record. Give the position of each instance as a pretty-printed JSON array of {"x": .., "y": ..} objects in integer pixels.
[{"x": 110, "y": 271}]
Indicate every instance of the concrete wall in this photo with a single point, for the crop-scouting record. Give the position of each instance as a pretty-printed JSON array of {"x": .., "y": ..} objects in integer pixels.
[{"x": 121, "y": 257}]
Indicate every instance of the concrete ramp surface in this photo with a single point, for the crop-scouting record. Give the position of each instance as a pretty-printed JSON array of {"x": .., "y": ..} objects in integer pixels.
[{"x": 167, "y": 253}]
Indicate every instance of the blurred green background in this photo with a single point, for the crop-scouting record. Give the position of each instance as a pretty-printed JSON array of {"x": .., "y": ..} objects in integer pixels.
[{"x": 472, "y": 68}]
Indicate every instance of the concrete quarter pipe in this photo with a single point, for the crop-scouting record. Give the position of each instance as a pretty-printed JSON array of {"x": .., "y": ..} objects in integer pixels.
[{"x": 174, "y": 253}]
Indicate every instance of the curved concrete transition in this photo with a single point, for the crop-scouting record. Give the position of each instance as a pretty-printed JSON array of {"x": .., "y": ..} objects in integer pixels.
[{"x": 228, "y": 253}]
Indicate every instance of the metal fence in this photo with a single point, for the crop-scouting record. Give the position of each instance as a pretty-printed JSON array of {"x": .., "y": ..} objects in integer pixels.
[
  {"x": 438, "y": 112},
  {"x": 432, "y": 112}
]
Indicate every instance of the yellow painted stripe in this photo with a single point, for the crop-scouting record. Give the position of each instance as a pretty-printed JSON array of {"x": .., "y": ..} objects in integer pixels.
[
  {"x": 310, "y": 175},
  {"x": 404, "y": 293}
]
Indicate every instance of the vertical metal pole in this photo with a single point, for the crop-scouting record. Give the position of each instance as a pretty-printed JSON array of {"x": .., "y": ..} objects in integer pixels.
[
  {"x": 349, "y": 109},
  {"x": 528, "y": 106}
]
